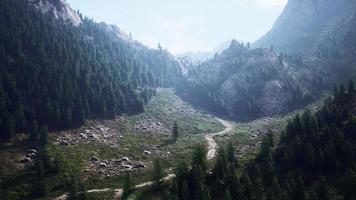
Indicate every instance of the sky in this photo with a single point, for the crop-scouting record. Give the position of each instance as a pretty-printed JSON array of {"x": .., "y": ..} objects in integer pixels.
[{"x": 185, "y": 25}]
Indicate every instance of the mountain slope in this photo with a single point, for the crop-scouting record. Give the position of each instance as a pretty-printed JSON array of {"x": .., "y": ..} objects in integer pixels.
[
  {"x": 244, "y": 84},
  {"x": 306, "y": 26},
  {"x": 57, "y": 73},
  {"x": 315, "y": 159}
]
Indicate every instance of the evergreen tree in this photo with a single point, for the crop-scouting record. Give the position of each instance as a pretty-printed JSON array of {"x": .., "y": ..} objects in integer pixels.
[
  {"x": 43, "y": 132},
  {"x": 199, "y": 157},
  {"x": 127, "y": 189},
  {"x": 158, "y": 173},
  {"x": 175, "y": 132},
  {"x": 342, "y": 89},
  {"x": 231, "y": 155},
  {"x": 351, "y": 87}
]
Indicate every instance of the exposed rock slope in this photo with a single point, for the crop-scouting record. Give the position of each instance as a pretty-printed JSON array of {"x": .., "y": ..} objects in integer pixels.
[{"x": 245, "y": 84}]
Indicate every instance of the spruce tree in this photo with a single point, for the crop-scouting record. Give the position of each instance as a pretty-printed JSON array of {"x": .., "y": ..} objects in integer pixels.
[
  {"x": 127, "y": 188},
  {"x": 175, "y": 132},
  {"x": 158, "y": 173},
  {"x": 351, "y": 87}
]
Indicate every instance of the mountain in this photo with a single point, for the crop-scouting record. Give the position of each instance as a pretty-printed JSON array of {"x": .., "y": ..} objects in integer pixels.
[
  {"x": 60, "y": 9},
  {"x": 59, "y": 68},
  {"x": 200, "y": 56},
  {"x": 307, "y": 26},
  {"x": 245, "y": 84}
]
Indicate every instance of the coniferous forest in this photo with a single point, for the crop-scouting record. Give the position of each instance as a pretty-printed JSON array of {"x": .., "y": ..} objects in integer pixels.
[
  {"x": 315, "y": 159},
  {"x": 57, "y": 75}
]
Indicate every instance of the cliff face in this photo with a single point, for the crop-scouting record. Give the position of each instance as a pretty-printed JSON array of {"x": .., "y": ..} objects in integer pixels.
[
  {"x": 245, "y": 84},
  {"x": 306, "y": 25},
  {"x": 59, "y": 8}
]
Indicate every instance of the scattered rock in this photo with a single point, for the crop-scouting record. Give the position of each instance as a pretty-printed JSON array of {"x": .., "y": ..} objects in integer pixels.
[
  {"x": 30, "y": 155},
  {"x": 127, "y": 166},
  {"x": 26, "y": 160},
  {"x": 139, "y": 165},
  {"x": 102, "y": 164},
  {"x": 83, "y": 136},
  {"x": 32, "y": 151},
  {"x": 126, "y": 159},
  {"x": 63, "y": 143},
  {"x": 147, "y": 152},
  {"x": 94, "y": 159}
]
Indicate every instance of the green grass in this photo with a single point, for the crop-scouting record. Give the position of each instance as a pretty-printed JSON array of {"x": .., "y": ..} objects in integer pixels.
[{"x": 165, "y": 108}]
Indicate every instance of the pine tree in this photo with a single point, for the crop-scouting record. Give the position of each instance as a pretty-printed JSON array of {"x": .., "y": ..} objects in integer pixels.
[
  {"x": 199, "y": 157},
  {"x": 40, "y": 189},
  {"x": 185, "y": 194},
  {"x": 230, "y": 151},
  {"x": 351, "y": 87},
  {"x": 336, "y": 91},
  {"x": 43, "y": 132},
  {"x": 342, "y": 89},
  {"x": 227, "y": 195},
  {"x": 127, "y": 189},
  {"x": 175, "y": 132},
  {"x": 158, "y": 173},
  {"x": 74, "y": 187},
  {"x": 203, "y": 192}
]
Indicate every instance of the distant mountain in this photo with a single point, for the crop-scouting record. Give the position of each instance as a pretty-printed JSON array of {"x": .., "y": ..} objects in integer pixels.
[
  {"x": 245, "y": 84},
  {"x": 307, "y": 26},
  {"x": 198, "y": 57}
]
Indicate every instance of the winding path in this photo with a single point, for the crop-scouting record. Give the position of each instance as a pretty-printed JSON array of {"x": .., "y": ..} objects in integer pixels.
[{"x": 212, "y": 148}]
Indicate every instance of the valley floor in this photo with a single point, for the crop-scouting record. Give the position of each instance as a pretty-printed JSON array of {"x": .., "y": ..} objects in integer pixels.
[{"x": 103, "y": 150}]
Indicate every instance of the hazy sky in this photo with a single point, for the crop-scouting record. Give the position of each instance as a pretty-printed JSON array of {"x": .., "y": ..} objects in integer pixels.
[{"x": 185, "y": 25}]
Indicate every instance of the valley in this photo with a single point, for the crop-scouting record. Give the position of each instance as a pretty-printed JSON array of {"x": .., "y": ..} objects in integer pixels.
[
  {"x": 102, "y": 151},
  {"x": 87, "y": 111}
]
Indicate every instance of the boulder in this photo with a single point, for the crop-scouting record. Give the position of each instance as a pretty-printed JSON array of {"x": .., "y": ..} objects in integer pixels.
[
  {"x": 125, "y": 159},
  {"x": 63, "y": 143},
  {"x": 127, "y": 166},
  {"x": 102, "y": 164},
  {"x": 139, "y": 165},
  {"x": 32, "y": 151},
  {"x": 147, "y": 152},
  {"x": 83, "y": 136},
  {"x": 94, "y": 159},
  {"x": 26, "y": 160}
]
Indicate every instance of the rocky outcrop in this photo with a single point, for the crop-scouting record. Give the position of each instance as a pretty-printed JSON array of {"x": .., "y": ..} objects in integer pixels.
[
  {"x": 305, "y": 26},
  {"x": 59, "y": 8},
  {"x": 245, "y": 84}
]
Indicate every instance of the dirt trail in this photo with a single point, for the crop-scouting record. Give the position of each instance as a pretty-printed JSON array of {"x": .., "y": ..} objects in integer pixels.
[{"x": 212, "y": 147}]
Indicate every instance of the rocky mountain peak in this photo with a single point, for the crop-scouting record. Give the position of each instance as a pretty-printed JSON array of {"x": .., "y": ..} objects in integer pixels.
[{"x": 59, "y": 8}]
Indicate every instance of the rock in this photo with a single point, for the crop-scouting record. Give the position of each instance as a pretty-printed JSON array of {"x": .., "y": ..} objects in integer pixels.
[
  {"x": 63, "y": 143},
  {"x": 147, "y": 152},
  {"x": 83, "y": 136},
  {"x": 32, "y": 151},
  {"x": 127, "y": 166},
  {"x": 102, "y": 164},
  {"x": 94, "y": 159},
  {"x": 31, "y": 155},
  {"x": 126, "y": 159},
  {"x": 118, "y": 161},
  {"x": 26, "y": 160},
  {"x": 139, "y": 165}
]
